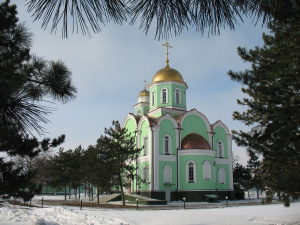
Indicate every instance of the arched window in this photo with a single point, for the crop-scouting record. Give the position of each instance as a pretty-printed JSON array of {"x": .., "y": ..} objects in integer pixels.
[
  {"x": 164, "y": 95},
  {"x": 190, "y": 172},
  {"x": 145, "y": 174},
  {"x": 145, "y": 149},
  {"x": 177, "y": 96},
  {"x": 153, "y": 98},
  {"x": 167, "y": 144},
  {"x": 220, "y": 148},
  {"x": 222, "y": 178},
  {"x": 206, "y": 170},
  {"x": 167, "y": 174}
]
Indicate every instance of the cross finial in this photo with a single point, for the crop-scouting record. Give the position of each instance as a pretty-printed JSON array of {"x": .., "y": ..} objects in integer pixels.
[
  {"x": 144, "y": 85},
  {"x": 167, "y": 54}
]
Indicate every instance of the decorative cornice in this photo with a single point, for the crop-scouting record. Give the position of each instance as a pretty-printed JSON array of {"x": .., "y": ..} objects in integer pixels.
[
  {"x": 167, "y": 82},
  {"x": 170, "y": 158},
  {"x": 189, "y": 152}
]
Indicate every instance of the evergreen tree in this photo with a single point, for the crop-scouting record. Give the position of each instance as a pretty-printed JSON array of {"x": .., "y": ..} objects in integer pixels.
[
  {"x": 119, "y": 152},
  {"x": 273, "y": 88},
  {"x": 171, "y": 17},
  {"x": 25, "y": 80},
  {"x": 254, "y": 165}
]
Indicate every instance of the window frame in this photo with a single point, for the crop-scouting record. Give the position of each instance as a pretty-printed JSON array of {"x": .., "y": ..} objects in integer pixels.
[
  {"x": 177, "y": 90},
  {"x": 169, "y": 139},
  {"x": 145, "y": 174},
  {"x": 145, "y": 146},
  {"x": 222, "y": 175},
  {"x": 220, "y": 148},
  {"x": 187, "y": 170},
  {"x": 162, "y": 95},
  {"x": 153, "y": 98},
  {"x": 206, "y": 170}
]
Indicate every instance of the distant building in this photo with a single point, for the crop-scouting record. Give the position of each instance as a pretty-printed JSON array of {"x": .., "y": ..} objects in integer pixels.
[{"x": 183, "y": 154}]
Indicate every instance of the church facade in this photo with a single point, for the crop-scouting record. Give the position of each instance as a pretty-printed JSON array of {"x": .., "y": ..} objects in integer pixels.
[{"x": 183, "y": 154}]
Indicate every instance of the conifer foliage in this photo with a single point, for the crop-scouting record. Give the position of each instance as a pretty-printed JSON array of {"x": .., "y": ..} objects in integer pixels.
[
  {"x": 272, "y": 87},
  {"x": 120, "y": 153},
  {"x": 25, "y": 80}
]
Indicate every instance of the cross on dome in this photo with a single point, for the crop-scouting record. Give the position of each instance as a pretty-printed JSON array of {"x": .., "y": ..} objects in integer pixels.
[{"x": 167, "y": 53}]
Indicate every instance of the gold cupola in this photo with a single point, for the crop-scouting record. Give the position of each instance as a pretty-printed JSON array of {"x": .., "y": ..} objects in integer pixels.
[{"x": 167, "y": 73}]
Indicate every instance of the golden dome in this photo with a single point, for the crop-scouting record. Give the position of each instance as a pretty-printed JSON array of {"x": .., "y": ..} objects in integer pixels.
[
  {"x": 144, "y": 93},
  {"x": 167, "y": 74}
]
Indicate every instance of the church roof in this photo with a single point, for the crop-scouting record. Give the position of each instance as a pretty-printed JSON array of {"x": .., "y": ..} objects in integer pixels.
[
  {"x": 194, "y": 141},
  {"x": 144, "y": 93},
  {"x": 167, "y": 74}
]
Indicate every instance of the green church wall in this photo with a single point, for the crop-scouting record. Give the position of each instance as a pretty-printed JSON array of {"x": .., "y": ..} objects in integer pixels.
[
  {"x": 167, "y": 127},
  {"x": 220, "y": 135},
  {"x": 171, "y": 96},
  {"x": 200, "y": 184},
  {"x": 226, "y": 185},
  {"x": 131, "y": 126},
  {"x": 194, "y": 124},
  {"x": 162, "y": 164}
]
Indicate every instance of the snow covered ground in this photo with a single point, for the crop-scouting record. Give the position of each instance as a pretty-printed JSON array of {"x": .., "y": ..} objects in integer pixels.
[{"x": 54, "y": 215}]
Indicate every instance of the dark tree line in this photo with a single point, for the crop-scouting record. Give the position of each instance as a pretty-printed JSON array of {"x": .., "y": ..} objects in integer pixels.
[{"x": 108, "y": 165}]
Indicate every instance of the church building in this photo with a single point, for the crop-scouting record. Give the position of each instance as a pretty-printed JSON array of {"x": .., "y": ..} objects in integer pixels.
[{"x": 183, "y": 155}]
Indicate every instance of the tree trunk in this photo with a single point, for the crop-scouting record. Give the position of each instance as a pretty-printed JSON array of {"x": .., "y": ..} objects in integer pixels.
[
  {"x": 69, "y": 191},
  {"x": 257, "y": 193},
  {"x": 75, "y": 192},
  {"x": 79, "y": 192},
  {"x": 122, "y": 192},
  {"x": 98, "y": 193},
  {"x": 248, "y": 194},
  {"x": 65, "y": 192}
]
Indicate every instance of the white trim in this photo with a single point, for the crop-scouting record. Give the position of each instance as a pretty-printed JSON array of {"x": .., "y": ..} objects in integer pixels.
[
  {"x": 221, "y": 175},
  {"x": 177, "y": 89},
  {"x": 170, "y": 158},
  {"x": 166, "y": 173},
  {"x": 168, "y": 117},
  {"x": 222, "y": 161},
  {"x": 187, "y": 171},
  {"x": 153, "y": 98},
  {"x": 219, "y": 123},
  {"x": 167, "y": 95},
  {"x": 167, "y": 109},
  {"x": 229, "y": 153},
  {"x": 169, "y": 139},
  {"x": 145, "y": 152},
  {"x": 150, "y": 86},
  {"x": 155, "y": 157},
  {"x": 145, "y": 176},
  {"x": 128, "y": 117},
  {"x": 185, "y": 152},
  {"x": 220, "y": 149},
  {"x": 144, "y": 158},
  {"x": 206, "y": 171},
  {"x": 199, "y": 114}
]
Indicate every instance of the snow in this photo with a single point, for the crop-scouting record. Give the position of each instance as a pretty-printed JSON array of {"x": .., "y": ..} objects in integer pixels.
[{"x": 54, "y": 215}]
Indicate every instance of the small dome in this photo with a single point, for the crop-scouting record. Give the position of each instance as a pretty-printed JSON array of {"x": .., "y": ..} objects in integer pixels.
[
  {"x": 144, "y": 93},
  {"x": 167, "y": 74},
  {"x": 194, "y": 141}
]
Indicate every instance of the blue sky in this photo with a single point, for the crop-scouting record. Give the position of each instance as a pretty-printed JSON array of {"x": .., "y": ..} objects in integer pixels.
[{"x": 109, "y": 69}]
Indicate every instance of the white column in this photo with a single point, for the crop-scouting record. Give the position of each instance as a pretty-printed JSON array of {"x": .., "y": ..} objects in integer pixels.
[
  {"x": 229, "y": 152},
  {"x": 156, "y": 157},
  {"x": 210, "y": 137},
  {"x": 150, "y": 145}
]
